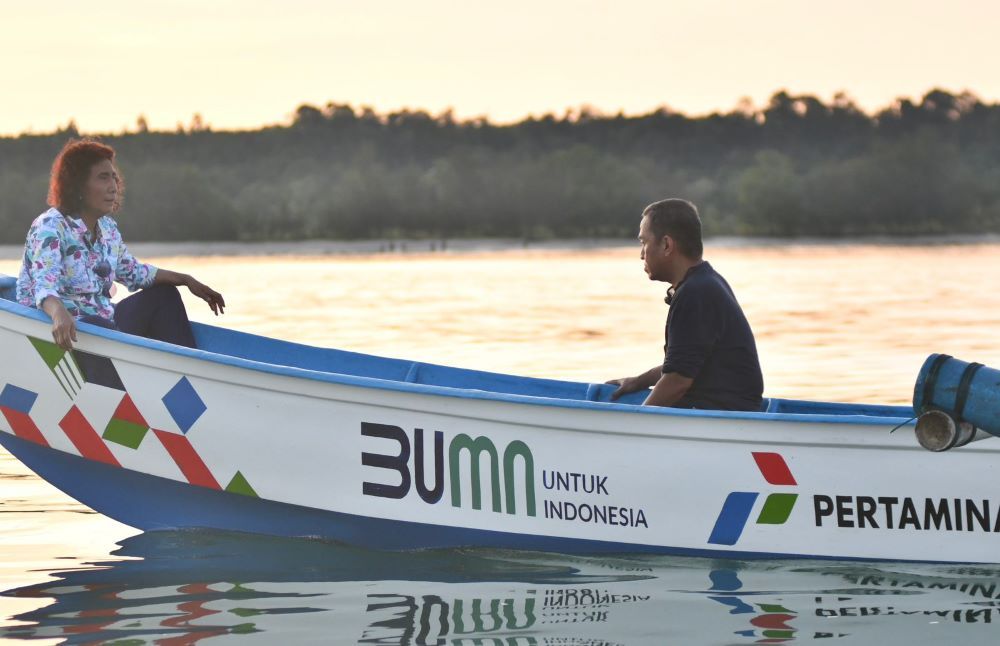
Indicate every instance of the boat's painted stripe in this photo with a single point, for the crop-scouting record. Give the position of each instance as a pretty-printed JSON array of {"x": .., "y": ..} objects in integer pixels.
[
  {"x": 72, "y": 371},
  {"x": 189, "y": 462},
  {"x": 64, "y": 382},
  {"x": 23, "y": 426},
  {"x": 446, "y": 391},
  {"x": 168, "y": 504},
  {"x": 85, "y": 438}
]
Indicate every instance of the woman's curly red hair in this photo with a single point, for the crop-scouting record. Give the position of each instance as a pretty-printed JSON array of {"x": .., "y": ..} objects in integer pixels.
[{"x": 71, "y": 170}]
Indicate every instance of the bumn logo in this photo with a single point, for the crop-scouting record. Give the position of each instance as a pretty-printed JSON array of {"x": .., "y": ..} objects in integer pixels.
[
  {"x": 460, "y": 445},
  {"x": 739, "y": 504}
]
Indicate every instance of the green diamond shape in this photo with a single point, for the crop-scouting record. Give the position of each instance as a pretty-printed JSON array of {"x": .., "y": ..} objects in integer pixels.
[
  {"x": 125, "y": 433},
  {"x": 777, "y": 508}
]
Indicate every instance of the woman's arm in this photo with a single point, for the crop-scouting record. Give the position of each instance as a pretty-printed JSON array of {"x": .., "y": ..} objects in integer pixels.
[
  {"x": 63, "y": 325},
  {"x": 44, "y": 259},
  {"x": 136, "y": 275},
  {"x": 202, "y": 291}
]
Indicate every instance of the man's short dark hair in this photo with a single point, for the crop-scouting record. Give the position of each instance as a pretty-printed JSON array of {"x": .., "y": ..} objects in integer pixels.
[{"x": 678, "y": 219}]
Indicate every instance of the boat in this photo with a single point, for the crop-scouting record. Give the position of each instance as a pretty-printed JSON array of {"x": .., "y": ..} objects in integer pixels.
[{"x": 253, "y": 434}]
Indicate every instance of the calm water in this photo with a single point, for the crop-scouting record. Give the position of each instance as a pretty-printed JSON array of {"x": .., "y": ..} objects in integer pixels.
[{"x": 842, "y": 323}]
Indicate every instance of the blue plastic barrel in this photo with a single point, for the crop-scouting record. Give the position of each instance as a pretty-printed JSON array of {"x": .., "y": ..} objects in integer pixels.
[{"x": 970, "y": 392}]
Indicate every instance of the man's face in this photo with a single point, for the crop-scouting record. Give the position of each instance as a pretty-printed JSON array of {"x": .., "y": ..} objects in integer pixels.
[{"x": 654, "y": 251}]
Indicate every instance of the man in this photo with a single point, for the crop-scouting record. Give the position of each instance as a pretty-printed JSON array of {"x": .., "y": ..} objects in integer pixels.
[{"x": 710, "y": 354}]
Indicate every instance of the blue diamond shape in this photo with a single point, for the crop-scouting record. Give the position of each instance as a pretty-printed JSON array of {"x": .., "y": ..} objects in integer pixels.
[
  {"x": 17, "y": 399},
  {"x": 184, "y": 404}
]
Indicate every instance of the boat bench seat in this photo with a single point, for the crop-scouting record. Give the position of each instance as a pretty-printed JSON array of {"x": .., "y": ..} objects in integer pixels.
[
  {"x": 256, "y": 348},
  {"x": 284, "y": 353},
  {"x": 800, "y": 407},
  {"x": 434, "y": 375}
]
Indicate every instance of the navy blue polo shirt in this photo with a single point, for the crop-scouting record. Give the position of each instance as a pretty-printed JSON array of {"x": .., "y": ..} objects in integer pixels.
[{"x": 709, "y": 340}]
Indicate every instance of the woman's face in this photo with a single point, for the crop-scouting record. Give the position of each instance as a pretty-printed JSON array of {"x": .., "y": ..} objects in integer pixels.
[{"x": 101, "y": 190}]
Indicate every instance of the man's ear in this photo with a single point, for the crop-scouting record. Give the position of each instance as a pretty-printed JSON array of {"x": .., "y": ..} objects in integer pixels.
[{"x": 667, "y": 244}]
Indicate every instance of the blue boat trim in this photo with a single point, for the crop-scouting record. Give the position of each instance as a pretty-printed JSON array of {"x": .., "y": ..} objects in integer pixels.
[
  {"x": 262, "y": 354},
  {"x": 152, "y": 503}
]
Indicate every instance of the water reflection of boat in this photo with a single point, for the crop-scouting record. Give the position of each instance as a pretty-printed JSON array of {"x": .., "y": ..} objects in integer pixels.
[
  {"x": 181, "y": 587},
  {"x": 259, "y": 435}
]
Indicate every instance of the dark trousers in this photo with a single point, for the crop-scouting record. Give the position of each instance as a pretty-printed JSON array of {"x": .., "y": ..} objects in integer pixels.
[{"x": 156, "y": 312}]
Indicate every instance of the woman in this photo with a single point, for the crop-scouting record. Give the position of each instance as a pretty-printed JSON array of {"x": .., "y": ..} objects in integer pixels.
[{"x": 74, "y": 252}]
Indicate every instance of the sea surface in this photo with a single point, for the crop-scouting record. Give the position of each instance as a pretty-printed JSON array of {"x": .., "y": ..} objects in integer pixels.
[{"x": 844, "y": 322}]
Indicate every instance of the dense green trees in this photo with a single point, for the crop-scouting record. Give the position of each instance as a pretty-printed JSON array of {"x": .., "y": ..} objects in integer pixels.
[{"x": 796, "y": 167}]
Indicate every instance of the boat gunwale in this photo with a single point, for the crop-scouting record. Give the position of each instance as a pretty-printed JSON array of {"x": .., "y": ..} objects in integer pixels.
[{"x": 24, "y": 312}]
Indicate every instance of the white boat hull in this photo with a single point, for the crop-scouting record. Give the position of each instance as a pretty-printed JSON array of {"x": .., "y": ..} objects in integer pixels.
[{"x": 162, "y": 437}]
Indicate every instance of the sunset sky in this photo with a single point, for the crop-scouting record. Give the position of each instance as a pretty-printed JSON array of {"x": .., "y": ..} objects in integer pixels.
[{"x": 247, "y": 63}]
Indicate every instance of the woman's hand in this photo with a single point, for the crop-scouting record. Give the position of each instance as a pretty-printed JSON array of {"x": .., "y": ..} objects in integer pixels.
[
  {"x": 202, "y": 291},
  {"x": 207, "y": 294},
  {"x": 63, "y": 325}
]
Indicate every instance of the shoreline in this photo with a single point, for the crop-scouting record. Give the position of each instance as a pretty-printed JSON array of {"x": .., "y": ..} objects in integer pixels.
[{"x": 480, "y": 245}]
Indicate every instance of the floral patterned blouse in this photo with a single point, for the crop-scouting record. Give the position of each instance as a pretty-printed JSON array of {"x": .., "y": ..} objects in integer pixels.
[{"x": 61, "y": 259}]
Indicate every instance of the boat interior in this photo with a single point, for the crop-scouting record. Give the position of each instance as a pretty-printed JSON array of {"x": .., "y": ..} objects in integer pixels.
[{"x": 276, "y": 352}]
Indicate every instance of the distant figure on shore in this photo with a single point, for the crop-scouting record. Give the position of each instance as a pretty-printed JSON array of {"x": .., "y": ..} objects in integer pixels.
[
  {"x": 74, "y": 253},
  {"x": 710, "y": 357}
]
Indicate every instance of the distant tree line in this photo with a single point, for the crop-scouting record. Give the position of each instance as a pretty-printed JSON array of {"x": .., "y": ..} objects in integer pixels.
[{"x": 796, "y": 167}]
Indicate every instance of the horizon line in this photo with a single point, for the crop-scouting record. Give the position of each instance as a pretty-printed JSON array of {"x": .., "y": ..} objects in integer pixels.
[{"x": 744, "y": 105}]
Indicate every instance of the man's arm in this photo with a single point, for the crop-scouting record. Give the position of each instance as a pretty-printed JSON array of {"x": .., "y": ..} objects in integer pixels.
[
  {"x": 668, "y": 390},
  {"x": 628, "y": 385}
]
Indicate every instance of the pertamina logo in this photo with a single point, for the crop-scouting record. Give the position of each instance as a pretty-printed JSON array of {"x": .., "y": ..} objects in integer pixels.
[{"x": 739, "y": 504}]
